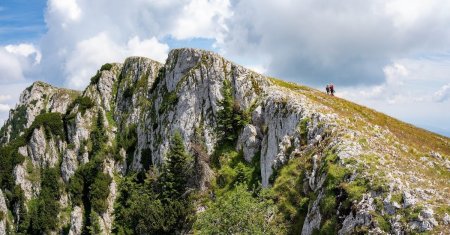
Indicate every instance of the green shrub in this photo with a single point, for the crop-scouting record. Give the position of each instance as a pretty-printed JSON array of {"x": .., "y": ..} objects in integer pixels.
[
  {"x": 96, "y": 78},
  {"x": 128, "y": 140},
  {"x": 84, "y": 103},
  {"x": 169, "y": 99},
  {"x": 19, "y": 121},
  {"x": 236, "y": 212},
  {"x": 52, "y": 123},
  {"x": 9, "y": 158},
  {"x": 106, "y": 66},
  {"x": 99, "y": 192},
  {"x": 303, "y": 128},
  {"x": 159, "y": 204},
  {"x": 329, "y": 227},
  {"x": 44, "y": 210}
]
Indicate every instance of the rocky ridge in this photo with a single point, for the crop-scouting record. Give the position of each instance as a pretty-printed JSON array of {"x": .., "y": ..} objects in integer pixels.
[{"x": 393, "y": 183}]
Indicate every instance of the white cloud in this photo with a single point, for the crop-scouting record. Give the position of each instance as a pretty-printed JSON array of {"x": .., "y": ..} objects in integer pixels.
[
  {"x": 151, "y": 48},
  {"x": 346, "y": 42},
  {"x": 10, "y": 67},
  {"x": 17, "y": 61},
  {"x": 442, "y": 94},
  {"x": 257, "y": 68},
  {"x": 84, "y": 34},
  {"x": 4, "y": 107},
  {"x": 395, "y": 73},
  {"x": 25, "y": 50},
  {"x": 90, "y": 54},
  {"x": 406, "y": 13},
  {"x": 67, "y": 10},
  {"x": 202, "y": 18},
  {"x": 407, "y": 81}
]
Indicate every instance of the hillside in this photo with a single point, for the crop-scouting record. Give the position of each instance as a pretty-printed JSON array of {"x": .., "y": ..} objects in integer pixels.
[{"x": 202, "y": 145}]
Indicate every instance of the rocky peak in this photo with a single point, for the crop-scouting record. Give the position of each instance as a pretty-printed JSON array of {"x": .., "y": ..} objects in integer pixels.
[
  {"x": 38, "y": 98},
  {"x": 330, "y": 164}
]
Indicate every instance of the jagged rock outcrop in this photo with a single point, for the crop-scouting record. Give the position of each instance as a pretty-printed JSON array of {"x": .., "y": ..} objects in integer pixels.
[
  {"x": 39, "y": 97},
  {"x": 133, "y": 109}
]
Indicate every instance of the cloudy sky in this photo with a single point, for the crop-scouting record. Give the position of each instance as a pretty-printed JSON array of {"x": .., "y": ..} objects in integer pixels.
[{"x": 391, "y": 55}]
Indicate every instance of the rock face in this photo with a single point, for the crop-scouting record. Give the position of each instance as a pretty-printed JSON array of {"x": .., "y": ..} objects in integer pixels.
[
  {"x": 141, "y": 103},
  {"x": 3, "y": 213}
]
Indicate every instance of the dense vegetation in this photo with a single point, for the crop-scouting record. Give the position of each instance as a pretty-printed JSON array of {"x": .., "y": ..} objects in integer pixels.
[
  {"x": 231, "y": 118},
  {"x": 161, "y": 203},
  {"x": 89, "y": 186},
  {"x": 43, "y": 209}
]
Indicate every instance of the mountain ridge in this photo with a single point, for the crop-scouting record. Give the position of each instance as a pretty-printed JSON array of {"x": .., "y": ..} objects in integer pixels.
[{"x": 346, "y": 155}]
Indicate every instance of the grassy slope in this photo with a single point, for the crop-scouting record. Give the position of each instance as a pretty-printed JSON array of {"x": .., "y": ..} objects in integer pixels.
[
  {"x": 399, "y": 153},
  {"x": 418, "y": 138}
]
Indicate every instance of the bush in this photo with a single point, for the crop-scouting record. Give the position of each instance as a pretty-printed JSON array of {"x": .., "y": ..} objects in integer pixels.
[
  {"x": 19, "y": 121},
  {"x": 52, "y": 123},
  {"x": 106, "y": 66},
  {"x": 158, "y": 204},
  {"x": 169, "y": 99},
  {"x": 84, "y": 103},
  {"x": 44, "y": 210},
  {"x": 100, "y": 192},
  {"x": 96, "y": 78},
  {"x": 128, "y": 140},
  {"x": 236, "y": 212},
  {"x": 9, "y": 158}
]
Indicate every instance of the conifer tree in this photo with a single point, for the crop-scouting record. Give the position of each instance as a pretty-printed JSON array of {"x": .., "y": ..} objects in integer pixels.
[{"x": 176, "y": 169}]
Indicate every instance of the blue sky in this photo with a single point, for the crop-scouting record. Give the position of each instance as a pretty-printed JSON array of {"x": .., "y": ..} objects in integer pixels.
[
  {"x": 21, "y": 21},
  {"x": 391, "y": 55}
]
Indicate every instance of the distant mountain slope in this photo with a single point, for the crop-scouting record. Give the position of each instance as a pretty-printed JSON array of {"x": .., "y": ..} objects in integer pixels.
[{"x": 202, "y": 145}]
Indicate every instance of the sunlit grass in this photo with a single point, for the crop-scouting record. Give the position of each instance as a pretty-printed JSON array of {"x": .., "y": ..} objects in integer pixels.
[{"x": 419, "y": 138}]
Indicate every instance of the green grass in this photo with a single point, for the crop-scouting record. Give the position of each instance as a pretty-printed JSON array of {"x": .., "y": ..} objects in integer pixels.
[
  {"x": 288, "y": 194},
  {"x": 419, "y": 138}
]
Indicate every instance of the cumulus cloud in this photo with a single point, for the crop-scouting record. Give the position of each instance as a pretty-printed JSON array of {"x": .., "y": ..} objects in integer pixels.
[
  {"x": 347, "y": 42},
  {"x": 16, "y": 61},
  {"x": 82, "y": 35},
  {"x": 65, "y": 10},
  {"x": 200, "y": 18},
  {"x": 10, "y": 67},
  {"x": 25, "y": 50},
  {"x": 442, "y": 94},
  {"x": 91, "y": 53},
  {"x": 407, "y": 81}
]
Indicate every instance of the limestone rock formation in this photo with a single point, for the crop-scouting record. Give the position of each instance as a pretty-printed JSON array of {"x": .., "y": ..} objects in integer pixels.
[{"x": 363, "y": 171}]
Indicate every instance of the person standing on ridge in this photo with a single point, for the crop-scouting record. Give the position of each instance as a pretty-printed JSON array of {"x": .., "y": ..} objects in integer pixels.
[
  {"x": 328, "y": 89},
  {"x": 332, "y": 89}
]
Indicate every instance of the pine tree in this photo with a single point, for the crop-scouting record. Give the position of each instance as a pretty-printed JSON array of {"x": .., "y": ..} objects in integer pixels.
[
  {"x": 230, "y": 119},
  {"x": 98, "y": 134},
  {"x": 177, "y": 169}
]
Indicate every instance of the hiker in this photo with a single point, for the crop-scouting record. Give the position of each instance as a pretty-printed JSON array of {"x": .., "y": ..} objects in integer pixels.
[
  {"x": 332, "y": 89},
  {"x": 328, "y": 89}
]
